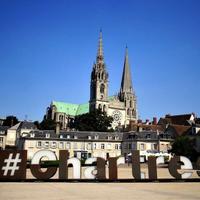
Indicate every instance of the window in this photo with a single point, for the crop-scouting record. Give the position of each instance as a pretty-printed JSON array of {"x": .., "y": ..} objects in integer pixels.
[
  {"x": 32, "y": 135},
  {"x": 1, "y": 139},
  {"x": 102, "y": 146},
  {"x": 128, "y": 112},
  {"x": 100, "y": 106},
  {"x": 102, "y": 88},
  {"x": 116, "y": 146},
  {"x": 141, "y": 147},
  {"x": 61, "y": 136},
  {"x": 129, "y": 146},
  {"x": 75, "y": 137},
  {"x": 53, "y": 145},
  {"x": 46, "y": 144},
  {"x": 68, "y": 146},
  {"x": 116, "y": 137},
  {"x": 120, "y": 146},
  {"x": 89, "y": 146},
  {"x": 154, "y": 146},
  {"x": 96, "y": 137},
  {"x": 148, "y": 136},
  {"x": 47, "y": 135},
  {"x": 109, "y": 137},
  {"x": 104, "y": 108},
  {"x": 95, "y": 146},
  {"x": 61, "y": 145},
  {"x": 89, "y": 137},
  {"x": 39, "y": 144},
  {"x": 102, "y": 76},
  {"x": 60, "y": 118},
  {"x": 68, "y": 136},
  {"x": 131, "y": 104}
]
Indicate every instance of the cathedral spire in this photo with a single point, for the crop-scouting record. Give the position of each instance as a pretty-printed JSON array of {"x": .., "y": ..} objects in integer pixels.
[
  {"x": 100, "y": 48},
  {"x": 126, "y": 83}
]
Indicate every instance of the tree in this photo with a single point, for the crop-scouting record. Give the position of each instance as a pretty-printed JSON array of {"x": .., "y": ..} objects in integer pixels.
[
  {"x": 47, "y": 124},
  {"x": 93, "y": 121},
  {"x": 185, "y": 146},
  {"x": 10, "y": 121},
  {"x": 37, "y": 124}
]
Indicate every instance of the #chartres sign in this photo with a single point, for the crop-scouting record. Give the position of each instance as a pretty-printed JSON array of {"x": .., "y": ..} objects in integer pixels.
[{"x": 13, "y": 166}]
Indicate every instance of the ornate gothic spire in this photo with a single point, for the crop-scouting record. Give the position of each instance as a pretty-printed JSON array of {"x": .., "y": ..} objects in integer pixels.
[
  {"x": 100, "y": 48},
  {"x": 126, "y": 83}
]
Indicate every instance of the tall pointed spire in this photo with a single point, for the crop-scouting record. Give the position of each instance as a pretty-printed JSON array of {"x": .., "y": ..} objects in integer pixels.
[
  {"x": 100, "y": 48},
  {"x": 126, "y": 83}
]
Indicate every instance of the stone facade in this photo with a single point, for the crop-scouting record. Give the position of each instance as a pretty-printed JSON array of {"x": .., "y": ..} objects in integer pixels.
[
  {"x": 84, "y": 144},
  {"x": 79, "y": 144},
  {"x": 121, "y": 107}
]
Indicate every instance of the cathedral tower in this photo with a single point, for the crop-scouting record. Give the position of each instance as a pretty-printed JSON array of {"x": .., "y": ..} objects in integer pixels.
[
  {"x": 99, "y": 81},
  {"x": 127, "y": 94}
]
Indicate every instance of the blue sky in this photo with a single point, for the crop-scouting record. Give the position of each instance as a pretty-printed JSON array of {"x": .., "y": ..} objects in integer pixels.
[{"x": 47, "y": 49}]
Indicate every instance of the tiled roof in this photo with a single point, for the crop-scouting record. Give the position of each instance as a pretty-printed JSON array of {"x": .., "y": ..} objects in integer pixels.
[
  {"x": 176, "y": 119},
  {"x": 15, "y": 127},
  {"x": 27, "y": 125},
  {"x": 178, "y": 130},
  {"x": 3, "y": 129},
  {"x": 151, "y": 135},
  {"x": 76, "y": 135}
]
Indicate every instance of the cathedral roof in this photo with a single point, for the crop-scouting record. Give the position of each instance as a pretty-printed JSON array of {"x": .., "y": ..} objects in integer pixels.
[
  {"x": 126, "y": 83},
  {"x": 74, "y": 109},
  {"x": 71, "y": 109}
]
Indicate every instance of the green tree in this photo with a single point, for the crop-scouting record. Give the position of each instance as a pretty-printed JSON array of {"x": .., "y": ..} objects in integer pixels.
[
  {"x": 185, "y": 146},
  {"x": 47, "y": 124},
  {"x": 37, "y": 124},
  {"x": 10, "y": 121},
  {"x": 93, "y": 121}
]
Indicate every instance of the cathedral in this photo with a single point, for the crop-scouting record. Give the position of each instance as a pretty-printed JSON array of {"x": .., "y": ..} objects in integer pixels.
[{"x": 121, "y": 107}]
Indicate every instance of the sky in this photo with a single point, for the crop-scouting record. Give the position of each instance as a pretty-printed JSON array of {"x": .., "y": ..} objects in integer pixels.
[{"x": 47, "y": 49}]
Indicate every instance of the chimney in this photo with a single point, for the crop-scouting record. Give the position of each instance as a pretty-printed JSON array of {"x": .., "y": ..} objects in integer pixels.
[
  {"x": 57, "y": 128},
  {"x": 155, "y": 120}
]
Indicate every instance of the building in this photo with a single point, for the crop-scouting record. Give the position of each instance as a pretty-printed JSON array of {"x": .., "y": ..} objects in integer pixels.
[
  {"x": 14, "y": 133},
  {"x": 3, "y": 134},
  {"x": 79, "y": 144},
  {"x": 122, "y": 106},
  {"x": 146, "y": 141},
  {"x": 85, "y": 144}
]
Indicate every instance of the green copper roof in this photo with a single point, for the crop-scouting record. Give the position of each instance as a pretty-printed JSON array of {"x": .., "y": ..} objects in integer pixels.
[
  {"x": 82, "y": 108},
  {"x": 74, "y": 109},
  {"x": 71, "y": 109}
]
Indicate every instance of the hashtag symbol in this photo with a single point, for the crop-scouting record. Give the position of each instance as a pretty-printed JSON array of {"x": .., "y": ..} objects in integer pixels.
[{"x": 11, "y": 164}]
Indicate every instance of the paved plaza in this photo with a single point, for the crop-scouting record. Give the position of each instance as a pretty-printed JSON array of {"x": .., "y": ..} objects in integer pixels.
[{"x": 87, "y": 191}]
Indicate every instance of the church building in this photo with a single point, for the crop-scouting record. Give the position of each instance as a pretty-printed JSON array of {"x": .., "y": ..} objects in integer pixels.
[{"x": 121, "y": 107}]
